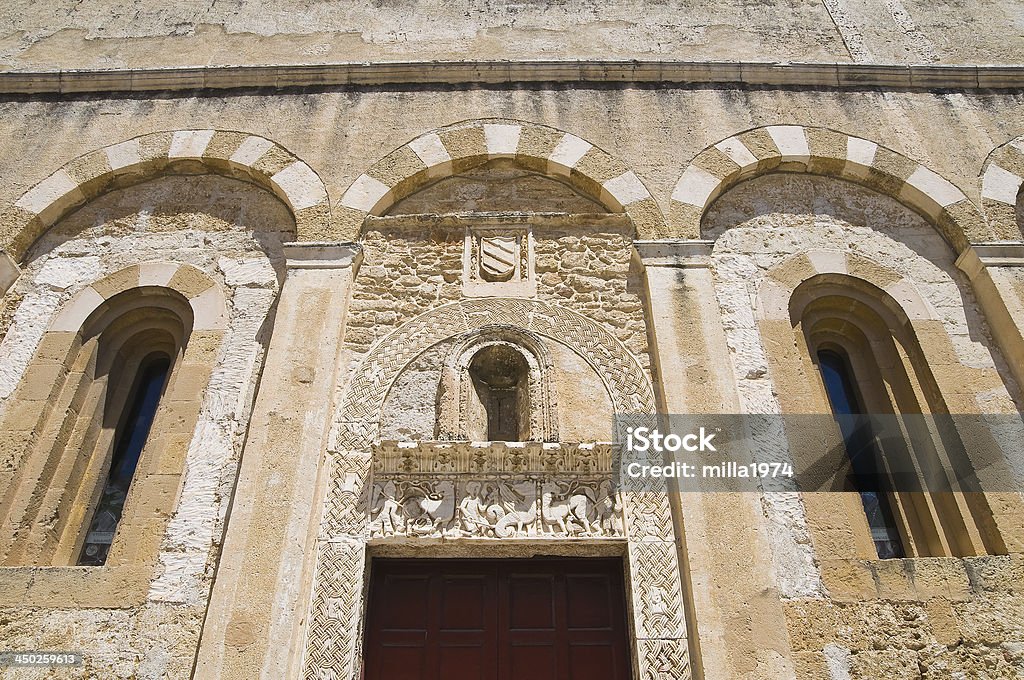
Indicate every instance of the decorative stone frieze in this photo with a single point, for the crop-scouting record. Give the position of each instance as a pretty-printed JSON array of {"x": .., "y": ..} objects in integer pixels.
[{"x": 465, "y": 490}]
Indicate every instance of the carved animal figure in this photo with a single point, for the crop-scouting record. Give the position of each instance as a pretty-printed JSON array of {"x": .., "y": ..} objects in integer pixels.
[
  {"x": 430, "y": 510},
  {"x": 521, "y": 499},
  {"x": 567, "y": 509},
  {"x": 388, "y": 511}
]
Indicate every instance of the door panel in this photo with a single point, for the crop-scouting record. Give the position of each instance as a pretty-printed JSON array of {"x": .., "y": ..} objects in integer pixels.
[{"x": 538, "y": 619}]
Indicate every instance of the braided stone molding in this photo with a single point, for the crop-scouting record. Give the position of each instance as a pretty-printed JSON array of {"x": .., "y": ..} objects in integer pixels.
[
  {"x": 1001, "y": 180},
  {"x": 366, "y": 474},
  {"x": 458, "y": 147},
  {"x": 820, "y": 151},
  {"x": 231, "y": 154},
  {"x": 359, "y": 415},
  {"x": 333, "y": 637}
]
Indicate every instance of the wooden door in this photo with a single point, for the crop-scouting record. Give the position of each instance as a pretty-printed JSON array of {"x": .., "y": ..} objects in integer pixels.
[{"x": 537, "y": 619}]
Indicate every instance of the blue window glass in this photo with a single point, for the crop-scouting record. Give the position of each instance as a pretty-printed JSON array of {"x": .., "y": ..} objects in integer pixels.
[
  {"x": 868, "y": 477},
  {"x": 129, "y": 442}
]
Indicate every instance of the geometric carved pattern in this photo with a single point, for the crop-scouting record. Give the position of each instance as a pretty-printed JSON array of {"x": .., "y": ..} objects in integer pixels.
[
  {"x": 657, "y": 597},
  {"x": 391, "y": 491},
  {"x": 345, "y": 511},
  {"x": 333, "y": 635},
  {"x": 648, "y": 515},
  {"x": 663, "y": 660}
]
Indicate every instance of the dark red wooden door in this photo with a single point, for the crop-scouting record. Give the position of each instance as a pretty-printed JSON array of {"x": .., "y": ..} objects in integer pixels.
[{"x": 537, "y": 619}]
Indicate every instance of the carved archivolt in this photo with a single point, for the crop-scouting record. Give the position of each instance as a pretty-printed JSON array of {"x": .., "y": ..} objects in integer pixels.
[
  {"x": 454, "y": 391},
  {"x": 396, "y": 493},
  {"x": 358, "y": 421}
]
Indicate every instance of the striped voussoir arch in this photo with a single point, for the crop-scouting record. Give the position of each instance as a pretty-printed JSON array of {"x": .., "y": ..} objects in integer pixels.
[
  {"x": 1001, "y": 180},
  {"x": 231, "y": 154},
  {"x": 820, "y": 151},
  {"x": 458, "y": 147},
  {"x": 895, "y": 290}
]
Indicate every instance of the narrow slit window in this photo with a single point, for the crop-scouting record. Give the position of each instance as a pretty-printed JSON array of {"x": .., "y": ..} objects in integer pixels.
[
  {"x": 870, "y": 480},
  {"x": 129, "y": 442}
]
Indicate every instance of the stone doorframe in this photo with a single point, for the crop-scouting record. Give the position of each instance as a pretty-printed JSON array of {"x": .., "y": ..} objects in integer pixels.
[{"x": 386, "y": 497}]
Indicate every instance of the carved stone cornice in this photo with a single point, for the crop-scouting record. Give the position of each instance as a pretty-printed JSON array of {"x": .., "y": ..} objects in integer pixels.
[
  {"x": 463, "y": 457},
  {"x": 981, "y": 255},
  {"x": 674, "y": 253},
  {"x": 323, "y": 255},
  {"x": 840, "y": 75}
]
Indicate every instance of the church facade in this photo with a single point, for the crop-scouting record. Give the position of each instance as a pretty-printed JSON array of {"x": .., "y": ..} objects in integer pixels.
[{"x": 321, "y": 324}]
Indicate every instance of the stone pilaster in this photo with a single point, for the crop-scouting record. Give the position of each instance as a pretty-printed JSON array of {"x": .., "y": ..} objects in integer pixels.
[
  {"x": 733, "y": 607},
  {"x": 261, "y": 591},
  {"x": 996, "y": 274}
]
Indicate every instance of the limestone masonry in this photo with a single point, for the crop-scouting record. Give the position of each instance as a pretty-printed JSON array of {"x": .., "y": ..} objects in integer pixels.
[{"x": 391, "y": 312}]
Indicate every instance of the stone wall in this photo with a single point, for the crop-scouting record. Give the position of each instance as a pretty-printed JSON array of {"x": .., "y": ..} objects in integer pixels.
[
  {"x": 861, "y": 618},
  {"x": 149, "y": 33},
  {"x": 654, "y": 132},
  {"x": 845, "y": 617},
  {"x": 413, "y": 267},
  {"x": 233, "y": 232}
]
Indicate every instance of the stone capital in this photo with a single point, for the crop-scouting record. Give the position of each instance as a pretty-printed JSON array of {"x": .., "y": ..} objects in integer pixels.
[
  {"x": 9, "y": 272},
  {"x": 674, "y": 253},
  {"x": 323, "y": 255},
  {"x": 982, "y": 255}
]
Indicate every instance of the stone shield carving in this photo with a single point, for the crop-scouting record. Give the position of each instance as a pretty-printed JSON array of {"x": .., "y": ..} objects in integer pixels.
[{"x": 498, "y": 257}]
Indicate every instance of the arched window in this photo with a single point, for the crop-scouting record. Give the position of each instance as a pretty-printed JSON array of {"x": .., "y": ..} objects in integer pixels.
[
  {"x": 871, "y": 364},
  {"x": 129, "y": 439},
  {"x": 496, "y": 386},
  {"x": 869, "y": 477},
  {"x": 99, "y": 476},
  {"x": 500, "y": 401}
]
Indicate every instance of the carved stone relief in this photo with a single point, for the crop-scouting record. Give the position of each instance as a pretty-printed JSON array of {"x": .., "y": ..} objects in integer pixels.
[
  {"x": 549, "y": 491},
  {"x": 498, "y": 260},
  {"x": 391, "y": 493}
]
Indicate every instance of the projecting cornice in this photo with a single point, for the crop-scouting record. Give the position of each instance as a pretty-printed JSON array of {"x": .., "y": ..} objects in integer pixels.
[{"x": 781, "y": 74}]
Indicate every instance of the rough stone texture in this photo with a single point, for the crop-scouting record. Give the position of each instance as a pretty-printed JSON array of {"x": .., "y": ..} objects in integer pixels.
[
  {"x": 745, "y": 559},
  {"x": 152, "y": 34},
  {"x": 499, "y": 185},
  {"x": 975, "y": 635},
  {"x": 407, "y": 270},
  {"x": 232, "y": 232},
  {"x": 860, "y": 631},
  {"x": 653, "y": 131}
]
